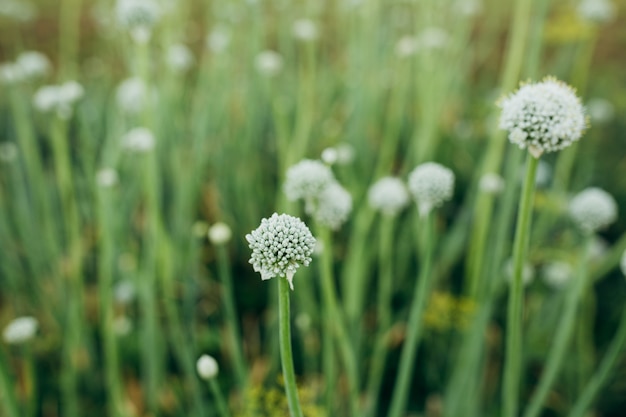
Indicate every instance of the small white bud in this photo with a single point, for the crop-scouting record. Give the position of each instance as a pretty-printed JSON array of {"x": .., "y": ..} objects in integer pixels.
[
  {"x": 219, "y": 233},
  {"x": 20, "y": 330},
  {"x": 207, "y": 367}
]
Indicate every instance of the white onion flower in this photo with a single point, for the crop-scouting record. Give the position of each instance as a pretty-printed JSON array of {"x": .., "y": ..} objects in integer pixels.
[
  {"x": 139, "y": 139},
  {"x": 19, "y": 10},
  {"x": 179, "y": 57},
  {"x": 305, "y": 30},
  {"x": 280, "y": 245},
  {"x": 138, "y": 17},
  {"x": 332, "y": 206},
  {"x": 58, "y": 98},
  {"x": 269, "y": 63},
  {"x": 406, "y": 46},
  {"x": 596, "y": 11},
  {"x": 131, "y": 94},
  {"x": 207, "y": 367},
  {"x": 593, "y": 209},
  {"x": 107, "y": 177},
  {"x": 388, "y": 195},
  {"x": 600, "y": 110},
  {"x": 491, "y": 183},
  {"x": 543, "y": 117},
  {"x": 33, "y": 64},
  {"x": 307, "y": 179},
  {"x": 431, "y": 184},
  {"x": 124, "y": 292},
  {"x": 20, "y": 330},
  {"x": 557, "y": 274},
  {"x": 219, "y": 233},
  {"x": 218, "y": 39}
]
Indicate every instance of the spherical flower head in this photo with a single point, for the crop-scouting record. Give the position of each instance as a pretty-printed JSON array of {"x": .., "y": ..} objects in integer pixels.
[
  {"x": 130, "y": 95},
  {"x": 596, "y": 11},
  {"x": 218, "y": 39},
  {"x": 305, "y": 30},
  {"x": 207, "y": 367},
  {"x": 139, "y": 139},
  {"x": 307, "y": 179},
  {"x": 219, "y": 233},
  {"x": 388, "y": 195},
  {"x": 543, "y": 117},
  {"x": 179, "y": 57},
  {"x": 593, "y": 209},
  {"x": 280, "y": 245},
  {"x": 131, "y": 14},
  {"x": 491, "y": 183},
  {"x": 269, "y": 63},
  {"x": 107, "y": 177},
  {"x": 20, "y": 330},
  {"x": 406, "y": 46},
  {"x": 431, "y": 184},
  {"x": 10, "y": 73},
  {"x": 33, "y": 64},
  {"x": 332, "y": 206},
  {"x": 557, "y": 274}
]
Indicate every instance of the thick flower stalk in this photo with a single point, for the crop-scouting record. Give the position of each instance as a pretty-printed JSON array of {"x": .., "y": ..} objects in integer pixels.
[
  {"x": 541, "y": 117},
  {"x": 280, "y": 245}
]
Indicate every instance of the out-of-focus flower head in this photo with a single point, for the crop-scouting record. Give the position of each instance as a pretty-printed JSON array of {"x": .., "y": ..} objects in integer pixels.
[
  {"x": 306, "y": 179},
  {"x": 269, "y": 63},
  {"x": 600, "y": 110},
  {"x": 388, "y": 195},
  {"x": 131, "y": 94},
  {"x": 138, "y": 17},
  {"x": 491, "y": 183},
  {"x": 557, "y": 274},
  {"x": 58, "y": 98},
  {"x": 596, "y": 11},
  {"x": 179, "y": 57},
  {"x": 305, "y": 30},
  {"x": 219, "y": 233},
  {"x": 218, "y": 39},
  {"x": 332, "y": 206},
  {"x": 593, "y": 209},
  {"x": 431, "y": 184},
  {"x": 20, "y": 330},
  {"x": 139, "y": 139},
  {"x": 33, "y": 64},
  {"x": 207, "y": 367}
]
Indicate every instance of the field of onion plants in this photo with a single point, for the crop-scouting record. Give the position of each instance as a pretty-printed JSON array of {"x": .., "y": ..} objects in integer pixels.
[{"x": 312, "y": 208}]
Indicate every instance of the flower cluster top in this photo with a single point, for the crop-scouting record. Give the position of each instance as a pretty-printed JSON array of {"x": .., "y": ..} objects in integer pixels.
[
  {"x": 388, "y": 195},
  {"x": 544, "y": 117},
  {"x": 431, "y": 184},
  {"x": 279, "y": 246},
  {"x": 593, "y": 209},
  {"x": 325, "y": 199}
]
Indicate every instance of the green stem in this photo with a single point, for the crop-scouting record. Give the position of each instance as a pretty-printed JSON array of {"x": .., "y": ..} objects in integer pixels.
[
  {"x": 220, "y": 401},
  {"x": 286, "y": 355},
  {"x": 385, "y": 292},
  {"x": 7, "y": 394},
  {"x": 232, "y": 321},
  {"x": 69, "y": 36},
  {"x": 513, "y": 352},
  {"x": 331, "y": 306},
  {"x": 414, "y": 325},
  {"x": 604, "y": 372},
  {"x": 562, "y": 338}
]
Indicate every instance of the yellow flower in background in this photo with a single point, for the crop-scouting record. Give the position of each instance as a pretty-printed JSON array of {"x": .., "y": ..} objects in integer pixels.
[
  {"x": 262, "y": 401},
  {"x": 567, "y": 27},
  {"x": 447, "y": 312}
]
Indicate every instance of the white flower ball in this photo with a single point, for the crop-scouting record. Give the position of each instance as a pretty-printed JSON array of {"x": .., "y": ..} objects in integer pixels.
[
  {"x": 491, "y": 183},
  {"x": 33, "y": 64},
  {"x": 218, "y": 39},
  {"x": 557, "y": 274},
  {"x": 528, "y": 272},
  {"x": 219, "y": 233},
  {"x": 307, "y": 179},
  {"x": 593, "y": 209},
  {"x": 179, "y": 57},
  {"x": 332, "y": 207},
  {"x": 596, "y": 11},
  {"x": 139, "y": 139},
  {"x": 622, "y": 263},
  {"x": 544, "y": 117},
  {"x": 269, "y": 63},
  {"x": 207, "y": 367},
  {"x": 431, "y": 184},
  {"x": 305, "y": 30},
  {"x": 130, "y": 95},
  {"x": 20, "y": 330},
  {"x": 280, "y": 245},
  {"x": 388, "y": 195},
  {"x": 107, "y": 177}
]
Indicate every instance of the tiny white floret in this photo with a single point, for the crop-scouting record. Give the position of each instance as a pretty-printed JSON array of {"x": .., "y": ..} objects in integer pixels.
[
  {"x": 20, "y": 330},
  {"x": 207, "y": 367},
  {"x": 593, "y": 209}
]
